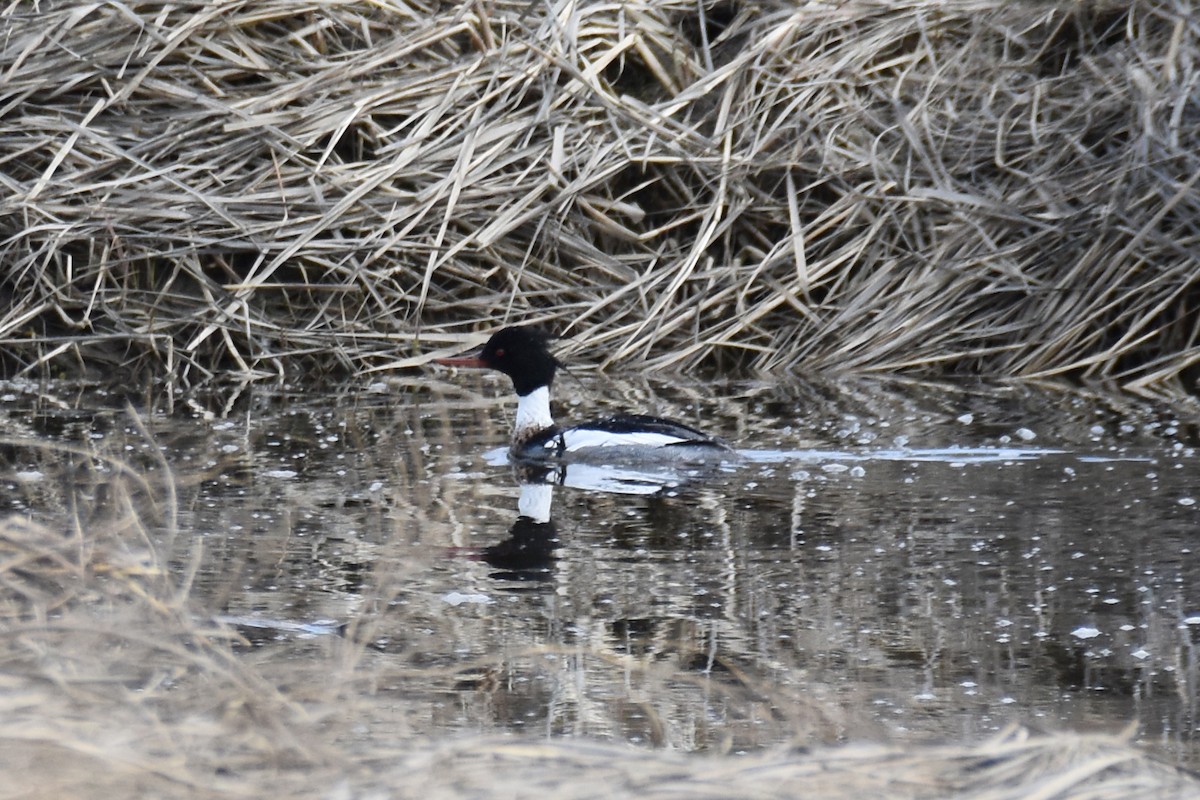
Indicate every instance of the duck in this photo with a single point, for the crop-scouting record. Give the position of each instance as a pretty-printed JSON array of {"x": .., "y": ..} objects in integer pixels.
[{"x": 523, "y": 354}]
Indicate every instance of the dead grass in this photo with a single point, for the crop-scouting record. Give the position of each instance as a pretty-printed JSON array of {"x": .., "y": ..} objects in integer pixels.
[
  {"x": 942, "y": 186},
  {"x": 114, "y": 686},
  {"x": 1013, "y": 765}
]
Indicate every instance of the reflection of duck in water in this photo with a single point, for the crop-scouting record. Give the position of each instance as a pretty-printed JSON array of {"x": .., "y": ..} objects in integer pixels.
[
  {"x": 528, "y": 552},
  {"x": 522, "y": 354},
  {"x": 624, "y": 479}
]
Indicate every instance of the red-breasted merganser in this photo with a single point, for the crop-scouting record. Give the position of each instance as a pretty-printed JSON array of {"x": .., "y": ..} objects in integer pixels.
[{"x": 522, "y": 354}]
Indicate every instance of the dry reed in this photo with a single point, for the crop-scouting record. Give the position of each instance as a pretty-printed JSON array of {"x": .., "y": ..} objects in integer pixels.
[
  {"x": 939, "y": 186},
  {"x": 113, "y": 689},
  {"x": 114, "y": 686}
]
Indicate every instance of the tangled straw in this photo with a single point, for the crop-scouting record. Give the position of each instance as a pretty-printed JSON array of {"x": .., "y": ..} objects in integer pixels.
[{"x": 937, "y": 186}]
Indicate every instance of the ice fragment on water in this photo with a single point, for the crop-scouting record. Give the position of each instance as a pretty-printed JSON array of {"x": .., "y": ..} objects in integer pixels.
[
  {"x": 1085, "y": 632},
  {"x": 1025, "y": 435},
  {"x": 458, "y": 598}
]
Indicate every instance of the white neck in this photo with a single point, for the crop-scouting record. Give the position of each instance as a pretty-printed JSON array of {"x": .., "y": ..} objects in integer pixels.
[
  {"x": 535, "y": 501},
  {"x": 533, "y": 414}
]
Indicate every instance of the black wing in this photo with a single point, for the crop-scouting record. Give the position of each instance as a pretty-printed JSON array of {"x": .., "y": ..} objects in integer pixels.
[{"x": 624, "y": 423}]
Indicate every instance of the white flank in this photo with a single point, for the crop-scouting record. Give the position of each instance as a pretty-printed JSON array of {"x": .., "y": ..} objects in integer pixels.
[{"x": 577, "y": 439}]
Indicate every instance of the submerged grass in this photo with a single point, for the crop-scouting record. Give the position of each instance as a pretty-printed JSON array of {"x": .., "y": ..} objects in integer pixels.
[
  {"x": 938, "y": 186},
  {"x": 118, "y": 682}
]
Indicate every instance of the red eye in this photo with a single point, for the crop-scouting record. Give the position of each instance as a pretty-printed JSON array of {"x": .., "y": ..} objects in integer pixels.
[{"x": 500, "y": 353}]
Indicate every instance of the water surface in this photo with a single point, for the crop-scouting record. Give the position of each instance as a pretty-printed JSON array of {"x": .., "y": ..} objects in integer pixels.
[{"x": 891, "y": 560}]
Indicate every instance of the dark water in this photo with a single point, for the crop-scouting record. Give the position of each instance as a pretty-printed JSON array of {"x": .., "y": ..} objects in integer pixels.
[{"x": 891, "y": 560}]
